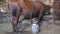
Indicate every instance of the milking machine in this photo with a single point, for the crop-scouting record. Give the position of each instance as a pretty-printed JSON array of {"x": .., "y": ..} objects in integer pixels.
[{"x": 35, "y": 27}]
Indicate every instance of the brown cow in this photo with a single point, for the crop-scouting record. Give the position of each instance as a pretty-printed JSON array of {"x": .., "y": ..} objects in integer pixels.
[{"x": 26, "y": 8}]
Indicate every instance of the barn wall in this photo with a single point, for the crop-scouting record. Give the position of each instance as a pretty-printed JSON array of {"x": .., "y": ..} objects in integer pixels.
[{"x": 47, "y": 2}]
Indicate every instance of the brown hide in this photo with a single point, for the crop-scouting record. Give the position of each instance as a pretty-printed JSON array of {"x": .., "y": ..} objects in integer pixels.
[{"x": 25, "y": 8}]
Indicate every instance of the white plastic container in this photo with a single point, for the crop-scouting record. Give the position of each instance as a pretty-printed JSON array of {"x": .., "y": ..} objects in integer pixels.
[{"x": 34, "y": 28}]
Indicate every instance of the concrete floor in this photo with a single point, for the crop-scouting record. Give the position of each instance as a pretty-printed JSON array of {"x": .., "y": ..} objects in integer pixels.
[{"x": 46, "y": 28}]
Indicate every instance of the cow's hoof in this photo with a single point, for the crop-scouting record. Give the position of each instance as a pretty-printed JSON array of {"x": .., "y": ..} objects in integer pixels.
[
  {"x": 39, "y": 30},
  {"x": 14, "y": 30}
]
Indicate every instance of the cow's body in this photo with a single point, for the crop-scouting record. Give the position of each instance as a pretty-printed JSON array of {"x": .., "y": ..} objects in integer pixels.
[{"x": 27, "y": 9}]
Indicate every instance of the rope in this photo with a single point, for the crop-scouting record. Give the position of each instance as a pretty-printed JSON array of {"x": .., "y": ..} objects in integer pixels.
[{"x": 31, "y": 13}]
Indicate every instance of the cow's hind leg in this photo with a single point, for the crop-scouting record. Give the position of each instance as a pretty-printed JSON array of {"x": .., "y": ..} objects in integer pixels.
[
  {"x": 14, "y": 23},
  {"x": 15, "y": 17},
  {"x": 19, "y": 23},
  {"x": 40, "y": 17}
]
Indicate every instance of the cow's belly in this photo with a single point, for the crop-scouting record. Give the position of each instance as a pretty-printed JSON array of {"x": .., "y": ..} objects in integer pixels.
[{"x": 27, "y": 13}]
